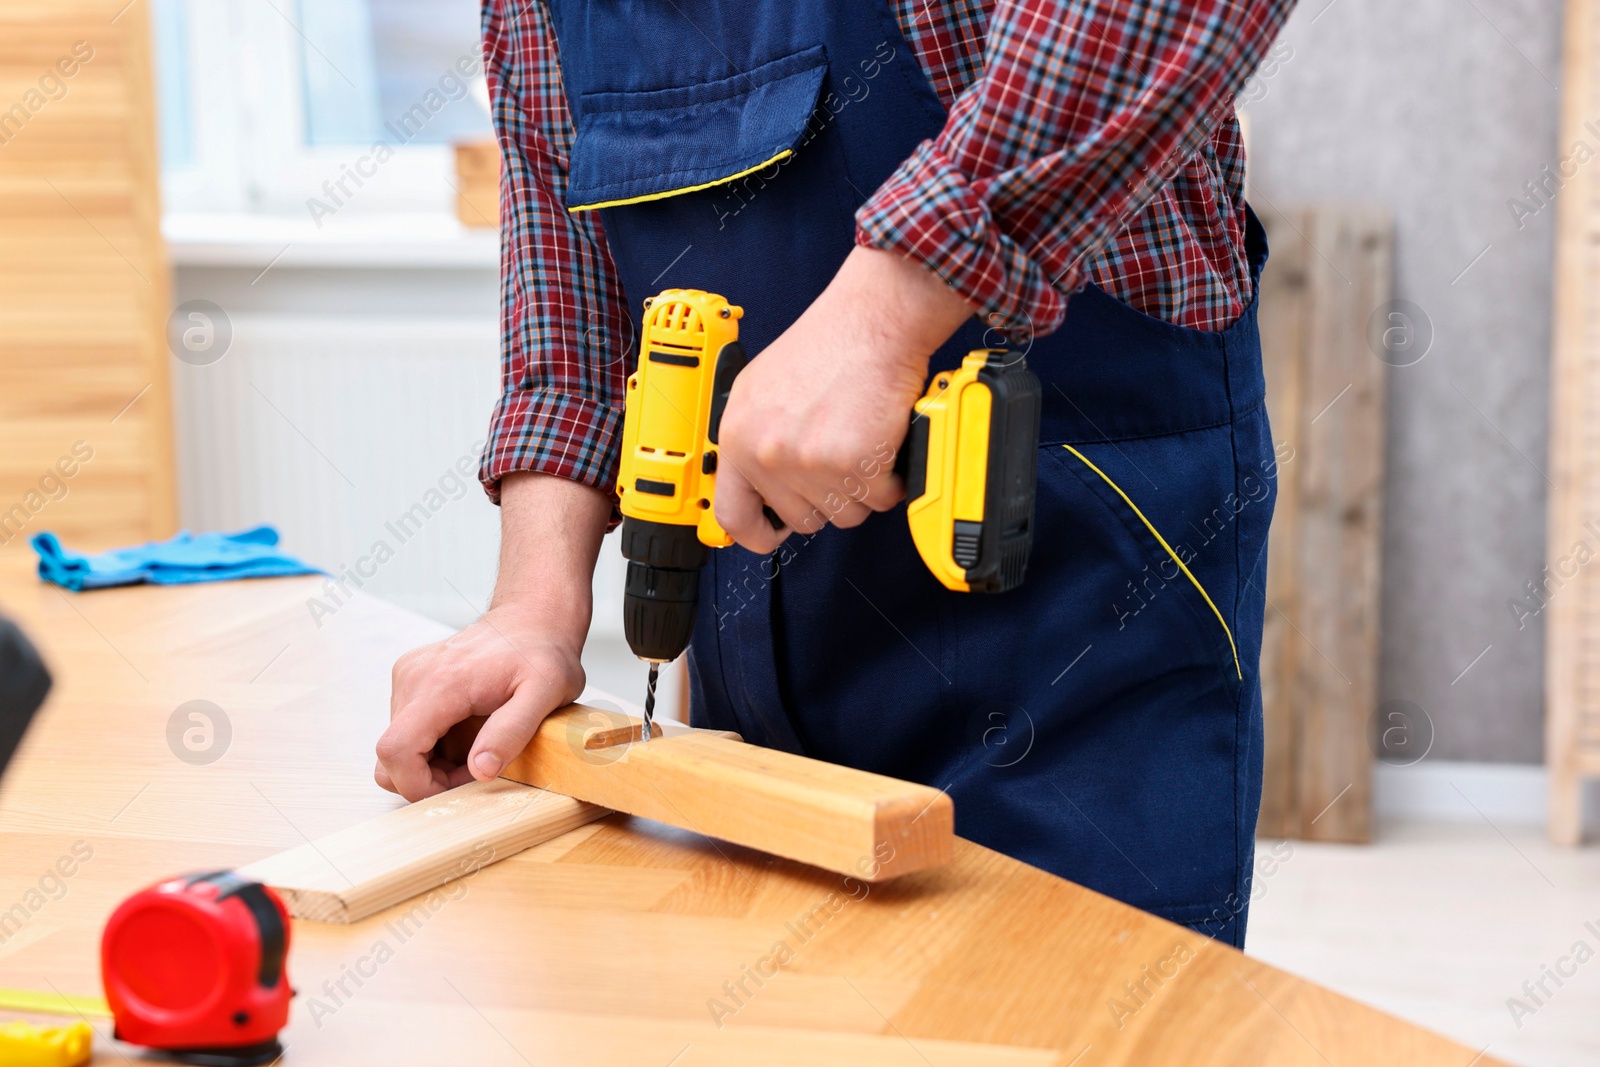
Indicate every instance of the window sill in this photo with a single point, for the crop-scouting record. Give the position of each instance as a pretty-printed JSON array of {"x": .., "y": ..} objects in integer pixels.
[{"x": 399, "y": 241}]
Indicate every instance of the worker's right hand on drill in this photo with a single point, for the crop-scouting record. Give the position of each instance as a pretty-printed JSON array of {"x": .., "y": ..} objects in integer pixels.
[
  {"x": 504, "y": 673},
  {"x": 814, "y": 422}
]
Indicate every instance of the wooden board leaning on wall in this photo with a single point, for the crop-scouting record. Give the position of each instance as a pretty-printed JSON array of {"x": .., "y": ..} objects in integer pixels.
[
  {"x": 1325, "y": 304},
  {"x": 1572, "y": 591}
]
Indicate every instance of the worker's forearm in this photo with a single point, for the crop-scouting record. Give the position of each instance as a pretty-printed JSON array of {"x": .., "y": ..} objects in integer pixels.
[
  {"x": 550, "y": 532},
  {"x": 1062, "y": 141}
]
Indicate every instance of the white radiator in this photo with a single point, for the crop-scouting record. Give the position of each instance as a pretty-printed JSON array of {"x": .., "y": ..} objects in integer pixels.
[{"x": 350, "y": 435}]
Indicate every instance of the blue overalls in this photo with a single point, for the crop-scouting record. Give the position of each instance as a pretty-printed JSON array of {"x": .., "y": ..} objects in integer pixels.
[{"x": 1103, "y": 721}]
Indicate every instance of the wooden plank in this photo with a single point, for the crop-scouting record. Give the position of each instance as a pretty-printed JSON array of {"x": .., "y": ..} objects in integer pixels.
[
  {"x": 84, "y": 287},
  {"x": 1341, "y": 525},
  {"x": 353, "y": 873},
  {"x": 1326, "y": 395},
  {"x": 1570, "y": 652},
  {"x": 1282, "y": 317},
  {"x": 478, "y": 183},
  {"x": 842, "y": 820}
]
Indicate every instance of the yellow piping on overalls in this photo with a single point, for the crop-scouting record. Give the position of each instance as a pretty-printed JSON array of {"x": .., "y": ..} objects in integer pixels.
[{"x": 1187, "y": 572}]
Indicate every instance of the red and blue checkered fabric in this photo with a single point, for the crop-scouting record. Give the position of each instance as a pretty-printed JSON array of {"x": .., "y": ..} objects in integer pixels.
[{"x": 1088, "y": 141}]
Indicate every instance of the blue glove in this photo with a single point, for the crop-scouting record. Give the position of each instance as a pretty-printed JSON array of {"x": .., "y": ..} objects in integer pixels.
[{"x": 211, "y": 557}]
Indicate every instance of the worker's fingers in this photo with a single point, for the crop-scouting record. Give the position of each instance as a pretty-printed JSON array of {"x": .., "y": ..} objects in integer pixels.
[
  {"x": 851, "y": 513},
  {"x": 408, "y": 671},
  {"x": 742, "y": 512},
  {"x": 508, "y": 731},
  {"x": 432, "y": 695},
  {"x": 447, "y": 696},
  {"x": 445, "y": 775},
  {"x": 795, "y": 512},
  {"x": 456, "y": 744},
  {"x": 866, "y": 486},
  {"x": 448, "y": 774},
  {"x": 874, "y": 482},
  {"x": 405, "y": 750},
  {"x": 844, "y": 491}
]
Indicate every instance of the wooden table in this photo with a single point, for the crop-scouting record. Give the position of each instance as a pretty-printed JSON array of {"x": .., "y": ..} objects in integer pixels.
[{"x": 613, "y": 944}]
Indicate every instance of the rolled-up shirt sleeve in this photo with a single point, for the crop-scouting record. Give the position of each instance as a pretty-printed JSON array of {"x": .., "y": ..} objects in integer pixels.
[
  {"x": 565, "y": 332},
  {"x": 1082, "y": 113}
]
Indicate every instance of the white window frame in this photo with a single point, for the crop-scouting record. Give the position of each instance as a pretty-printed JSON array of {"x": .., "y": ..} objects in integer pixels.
[{"x": 247, "y": 120}]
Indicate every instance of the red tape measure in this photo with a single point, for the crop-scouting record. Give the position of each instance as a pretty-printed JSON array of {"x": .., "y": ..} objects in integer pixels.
[{"x": 194, "y": 966}]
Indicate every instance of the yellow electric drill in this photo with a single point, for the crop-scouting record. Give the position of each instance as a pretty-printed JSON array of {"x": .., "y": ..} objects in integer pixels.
[{"x": 968, "y": 465}]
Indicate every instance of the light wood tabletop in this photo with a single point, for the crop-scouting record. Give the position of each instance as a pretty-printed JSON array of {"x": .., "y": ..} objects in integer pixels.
[{"x": 621, "y": 942}]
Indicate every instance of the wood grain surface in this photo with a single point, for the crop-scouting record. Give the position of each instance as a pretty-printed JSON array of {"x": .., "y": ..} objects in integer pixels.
[
  {"x": 85, "y": 419},
  {"x": 362, "y": 869},
  {"x": 621, "y": 942},
  {"x": 1567, "y": 598},
  {"x": 478, "y": 183},
  {"x": 837, "y": 818},
  {"x": 1322, "y": 297}
]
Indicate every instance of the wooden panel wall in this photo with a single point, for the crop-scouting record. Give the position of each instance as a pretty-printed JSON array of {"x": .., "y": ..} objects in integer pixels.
[
  {"x": 1572, "y": 585},
  {"x": 1330, "y": 272},
  {"x": 85, "y": 427}
]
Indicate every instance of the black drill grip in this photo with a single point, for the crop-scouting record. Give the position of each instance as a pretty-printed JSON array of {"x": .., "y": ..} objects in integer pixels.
[{"x": 662, "y": 587}]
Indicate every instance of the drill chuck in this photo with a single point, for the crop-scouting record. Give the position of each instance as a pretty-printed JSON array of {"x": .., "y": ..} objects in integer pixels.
[{"x": 662, "y": 587}]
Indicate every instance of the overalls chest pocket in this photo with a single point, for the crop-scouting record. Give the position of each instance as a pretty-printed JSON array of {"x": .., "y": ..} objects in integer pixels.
[{"x": 734, "y": 184}]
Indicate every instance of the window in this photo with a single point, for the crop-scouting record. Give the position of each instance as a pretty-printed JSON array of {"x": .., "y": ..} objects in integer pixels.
[
  {"x": 172, "y": 87},
  {"x": 396, "y": 59},
  {"x": 316, "y": 108}
]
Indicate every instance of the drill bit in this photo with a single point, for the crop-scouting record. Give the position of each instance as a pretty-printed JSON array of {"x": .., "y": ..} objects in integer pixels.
[{"x": 649, "y": 702}]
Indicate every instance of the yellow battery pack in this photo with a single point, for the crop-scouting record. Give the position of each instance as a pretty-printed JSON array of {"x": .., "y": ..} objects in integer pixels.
[{"x": 969, "y": 465}]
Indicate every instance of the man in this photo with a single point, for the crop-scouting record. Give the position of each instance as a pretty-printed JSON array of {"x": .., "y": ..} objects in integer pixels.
[{"x": 875, "y": 181}]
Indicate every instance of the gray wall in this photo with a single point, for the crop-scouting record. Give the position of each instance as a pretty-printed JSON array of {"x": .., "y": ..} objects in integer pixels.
[{"x": 1441, "y": 110}]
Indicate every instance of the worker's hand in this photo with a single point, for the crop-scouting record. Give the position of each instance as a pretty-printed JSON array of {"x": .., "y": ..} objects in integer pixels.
[
  {"x": 814, "y": 422},
  {"x": 498, "y": 678},
  {"x": 509, "y": 669}
]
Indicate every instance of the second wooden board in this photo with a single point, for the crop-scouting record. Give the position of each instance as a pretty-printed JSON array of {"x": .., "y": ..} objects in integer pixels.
[{"x": 348, "y": 875}]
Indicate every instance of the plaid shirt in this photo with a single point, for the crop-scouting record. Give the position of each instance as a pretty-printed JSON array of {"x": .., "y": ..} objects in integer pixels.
[{"x": 1088, "y": 141}]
